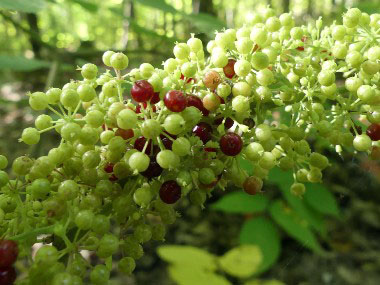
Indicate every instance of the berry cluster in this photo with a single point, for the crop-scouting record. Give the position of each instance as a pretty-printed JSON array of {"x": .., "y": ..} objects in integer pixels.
[{"x": 126, "y": 157}]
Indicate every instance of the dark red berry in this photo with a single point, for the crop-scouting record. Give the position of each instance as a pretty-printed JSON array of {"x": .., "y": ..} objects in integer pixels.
[
  {"x": 175, "y": 101},
  {"x": 231, "y": 144},
  {"x": 249, "y": 122},
  {"x": 8, "y": 253},
  {"x": 125, "y": 134},
  {"x": 210, "y": 149},
  {"x": 373, "y": 131},
  {"x": 229, "y": 70},
  {"x": 155, "y": 98},
  {"x": 168, "y": 143},
  {"x": 358, "y": 130},
  {"x": 196, "y": 102},
  {"x": 7, "y": 275},
  {"x": 154, "y": 169},
  {"x": 140, "y": 143},
  {"x": 203, "y": 131},
  {"x": 142, "y": 91},
  {"x": 228, "y": 123},
  {"x": 109, "y": 167},
  {"x": 113, "y": 178},
  {"x": 170, "y": 192}
]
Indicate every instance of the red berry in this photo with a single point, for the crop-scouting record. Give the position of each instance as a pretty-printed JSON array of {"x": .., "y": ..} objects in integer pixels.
[
  {"x": 8, "y": 253},
  {"x": 211, "y": 79},
  {"x": 188, "y": 80},
  {"x": 203, "y": 131},
  {"x": 210, "y": 149},
  {"x": 170, "y": 192},
  {"x": 175, "y": 101},
  {"x": 252, "y": 185},
  {"x": 154, "y": 169},
  {"x": 196, "y": 102},
  {"x": 231, "y": 144},
  {"x": 125, "y": 134},
  {"x": 373, "y": 132},
  {"x": 229, "y": 68},
  {"x": 140, "y": 143},
  {"x": 109, "y": 167},
  {"x": 7, "y": 275},
  {"x": 142, "y": 91},
  {"x": 155, "y": 98}
]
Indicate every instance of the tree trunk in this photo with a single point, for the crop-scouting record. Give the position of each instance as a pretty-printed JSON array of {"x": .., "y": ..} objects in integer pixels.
[
  {"x": 203, "y": 6},
  {"x": 34, "y": 36},
  {"x": 128, "y": 12},
  {"x": 286, "y": 6}
]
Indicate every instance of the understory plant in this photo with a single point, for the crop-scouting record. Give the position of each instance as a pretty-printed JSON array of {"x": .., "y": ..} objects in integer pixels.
[{"x": 136, "y": 142}]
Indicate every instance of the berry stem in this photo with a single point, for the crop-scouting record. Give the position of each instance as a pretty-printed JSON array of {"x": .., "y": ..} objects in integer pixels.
[
  {"x": 36, "y": 232},
  {"x": 55, "y": 112}
]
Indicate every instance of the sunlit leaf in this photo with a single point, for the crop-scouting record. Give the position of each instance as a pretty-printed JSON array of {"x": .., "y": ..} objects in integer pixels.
[
  {"x": 188, "y": 275},
  {"x": 187, "y": 256},
  {"x": 240, "y": 202},
  {"x": 205, "y": 22},
  {"x": 140, "y": 29},
  {"x": 28, "y": 6},
  {"x": 263, "y": 233},
  {"x": 158, "y": 4},
  {"x": 20, "y": 63},
  {"x": 321, "y": 199},
  {"x": 241, "y": 261},
  {"x": 293, "y": 225},
  {"x": 87, "y": 5}
]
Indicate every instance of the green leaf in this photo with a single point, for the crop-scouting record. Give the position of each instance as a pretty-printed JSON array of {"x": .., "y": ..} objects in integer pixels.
[
  {"x": 158, "y": 4},
  {"x": 241, "y": 261},
  {"x": 321, "y": 199},
  {"x": 369, "y": 7},
  {"x": 186, "y": 255},
  {"x": 87, "y": 5},
  {"x": 190, "y": 275},
  {"x": 245, "y": 165},
  {"x": 140, "y": 29},
  {"x": 206, "y": 23},
  {"x": 284, "y": 179},
  {"x": 240, "y": 202},
  {"x": 263, "y": 233},
  {"x": 20, "y": 63},
  {"x": 293, "y": 225},
  {"x": 264, "y": 282},
  {"x": 28, "y": 6}
]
